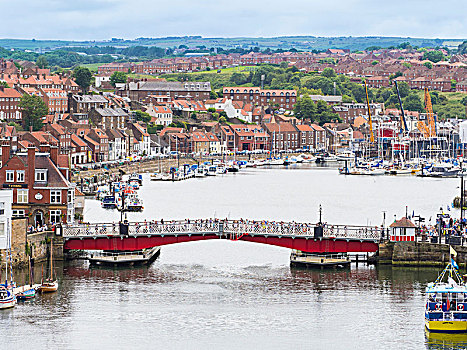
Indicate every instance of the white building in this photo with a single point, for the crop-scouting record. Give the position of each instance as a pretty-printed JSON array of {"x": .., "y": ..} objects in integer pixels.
[
  {"x": 6, "y": 199},
  {"x": 161, "y": 115}
]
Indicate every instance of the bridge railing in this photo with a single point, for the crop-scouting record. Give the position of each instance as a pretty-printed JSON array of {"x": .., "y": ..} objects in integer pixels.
[
  {"x": 173, "y": 227},
  {"x": 352, "y": 232},
  {"x": 233, "y": 228}
]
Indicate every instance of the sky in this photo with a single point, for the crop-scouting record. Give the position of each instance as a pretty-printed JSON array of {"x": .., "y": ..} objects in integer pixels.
[{"x": 129, "y": 19}]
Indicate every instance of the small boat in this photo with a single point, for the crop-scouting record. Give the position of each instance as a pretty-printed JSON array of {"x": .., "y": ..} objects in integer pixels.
[
  {"x": 200, "y": 171},
  {"x": 133, "y": 203},
  {"x": 212, "y": 170},
  {"x": 277, "y": 161},
  {"x": 49, "y": 285},
  {"x": 221, "y": 169},
  {"x": 302, "y": 259},
  {"x": 28, "y": 293},
  {"x": 233, "y": 168},
  {"x": 136, "y": 177},
  {"x": 156, "y": 177},
  {"x": 446, "y": 302},
  {"x": 7, "y": 297},
  {"x": 109, "y": 202}
]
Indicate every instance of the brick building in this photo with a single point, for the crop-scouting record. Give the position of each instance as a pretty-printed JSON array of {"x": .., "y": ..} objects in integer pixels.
[
  {"x": 137, "y": 91},
  {"x": 275, "y": 98},
  {"x": 9, "y": 104}
]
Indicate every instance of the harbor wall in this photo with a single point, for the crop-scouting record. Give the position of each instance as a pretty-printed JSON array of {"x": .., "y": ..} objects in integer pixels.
[
  {"x": 36, "y": 244},
  {"x": 419, "y": 254}
]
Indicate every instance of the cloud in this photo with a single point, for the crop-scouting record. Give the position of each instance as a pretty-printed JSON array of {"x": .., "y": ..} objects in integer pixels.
[{"x": 103, "y": 19}]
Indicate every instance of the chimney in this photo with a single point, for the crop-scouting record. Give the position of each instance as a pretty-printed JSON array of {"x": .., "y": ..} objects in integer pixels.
[
  {"x": 54, "y": 154},
  {"x": 5, "y": 152},
  {"x": 31, "y": 163},
  {"x": 2, "y": 88}
]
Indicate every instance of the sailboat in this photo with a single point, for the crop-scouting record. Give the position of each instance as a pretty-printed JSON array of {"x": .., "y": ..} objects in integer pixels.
[
  {"x": 49, "y": 285},
  {"x": 7, "y": 297},
  {"x": 26, "y": 292}
]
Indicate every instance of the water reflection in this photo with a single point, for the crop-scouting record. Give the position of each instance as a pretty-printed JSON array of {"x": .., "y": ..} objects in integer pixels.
[{"x": 435, "y": 341}]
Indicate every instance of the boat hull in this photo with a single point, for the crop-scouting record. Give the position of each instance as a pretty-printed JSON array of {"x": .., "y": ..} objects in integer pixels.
[
  {"x": 7, "y": 303},
  {"x": 49, "y": 287},
  {"x": 446, "y": 326}
]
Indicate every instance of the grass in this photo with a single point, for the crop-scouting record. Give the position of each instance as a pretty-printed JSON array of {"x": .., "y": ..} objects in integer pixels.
[{"x": 92, "y": 66}]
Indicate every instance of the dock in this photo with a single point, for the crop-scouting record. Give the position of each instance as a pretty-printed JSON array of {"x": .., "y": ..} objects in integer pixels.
[
  {"x": 140, "y": 257},
  {"x": 301, "y": 259}
]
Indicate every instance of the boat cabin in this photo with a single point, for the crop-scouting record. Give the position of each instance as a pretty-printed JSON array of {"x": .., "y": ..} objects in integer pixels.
[{"x": 402, "y": 230}]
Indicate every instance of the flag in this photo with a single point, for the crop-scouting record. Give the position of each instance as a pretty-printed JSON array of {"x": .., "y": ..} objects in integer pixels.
[
  {"x": 453, "y": 263},
  {"x": 452, "y": 251}
]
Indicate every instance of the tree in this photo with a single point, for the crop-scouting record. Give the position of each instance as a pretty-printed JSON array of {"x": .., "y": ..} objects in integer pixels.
[
  {"x": 429, "y": 65},
  {"x": 222, "y": 120},
  {"x": 462, "y": 48},
  {"x": 33, "y": 109},
  {"x": 4, "y": 84},
  {"x": 41, "y": 62},
  {"x": 211, "y": 110},
  {"x": 305, "y": 108},
  {"x": 118, "y": 77},
  {"x": 82, "y": 77},
  {"x": 413, "y": 103},
  {"x": 142, "y": 116},
  {"x": 433, "y": 56},
  {"x": 213, "y": 95},
  {"x": 374, "y": 63},
  {"x": 238, "y": 78},
  {"x": 407, "y": 65},
  {"x": 464, "y": 101},
  {"x": 453, "y": 84},
  {"x": 404, "y": 89},
  {"x": 329, "y": 73}
]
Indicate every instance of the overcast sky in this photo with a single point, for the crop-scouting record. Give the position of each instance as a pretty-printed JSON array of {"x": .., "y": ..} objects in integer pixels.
[{"x": 104, "y": 19}]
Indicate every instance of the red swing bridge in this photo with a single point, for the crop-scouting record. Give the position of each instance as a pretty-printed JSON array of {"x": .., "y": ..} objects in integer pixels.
[{"x": 310, "y": 238}]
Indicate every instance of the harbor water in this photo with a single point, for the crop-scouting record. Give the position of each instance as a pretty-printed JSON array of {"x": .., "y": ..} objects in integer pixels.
[{"x": 230, "y": 295}]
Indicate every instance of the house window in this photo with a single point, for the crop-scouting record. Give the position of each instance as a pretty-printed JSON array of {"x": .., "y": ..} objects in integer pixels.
[
  {"x": 10, "y": 175},
  {"x": 2, "y": 208},
  {"x": 41, "y": 175},
  {"x": 18, "y": 213},
  {"x": 20, "y": 176},
  {"x": 55, "y": 196},
  {"x": 55, "y": 215},
  {"x": 22, "y": 196}
]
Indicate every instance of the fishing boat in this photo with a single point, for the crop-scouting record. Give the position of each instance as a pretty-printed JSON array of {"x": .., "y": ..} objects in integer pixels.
[
  {"x": 27, "y": 291},
  {"x": 277, "y": 161},
  {"x": 109, "y": 202},
  {"x": 212, "y": 170},
  {"x": 49, "y": 285},
  {"x": 446, "y": 302},
  {"x": 136, "y": 177},
  {"x": 7, "y": 297},
  {"x": 221, "y": 169},
  {"x": 133, "y": 203},
  {"x": 156, "y": 177}
]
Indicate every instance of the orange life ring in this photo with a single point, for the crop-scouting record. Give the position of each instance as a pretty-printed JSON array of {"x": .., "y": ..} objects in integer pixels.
[{"x": 438, "y": 307}]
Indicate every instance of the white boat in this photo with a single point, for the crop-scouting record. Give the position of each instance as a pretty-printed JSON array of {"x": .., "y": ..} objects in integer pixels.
[
  {"x": 7, "y": 297},
  {"x": 212, "y": 170},
  {"x": 156, "y": 177},
  {"x": 276, "y": 162},
  {"x": 221, "y": 169},
  {"x": 200, "y": 171}
]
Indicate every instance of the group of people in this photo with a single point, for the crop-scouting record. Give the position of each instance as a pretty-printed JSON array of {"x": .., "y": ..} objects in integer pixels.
[{"x": 40, "y": 228}]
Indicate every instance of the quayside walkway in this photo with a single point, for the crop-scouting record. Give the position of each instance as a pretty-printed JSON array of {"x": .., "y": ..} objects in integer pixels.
[{"x": 307, "y": 237}]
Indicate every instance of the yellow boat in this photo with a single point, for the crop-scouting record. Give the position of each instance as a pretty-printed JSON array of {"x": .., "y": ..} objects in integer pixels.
[{"x": 446, "y": 303}]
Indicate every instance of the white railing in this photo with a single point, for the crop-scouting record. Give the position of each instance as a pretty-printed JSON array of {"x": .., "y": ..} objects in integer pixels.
[{"x": 233, "y": 229}]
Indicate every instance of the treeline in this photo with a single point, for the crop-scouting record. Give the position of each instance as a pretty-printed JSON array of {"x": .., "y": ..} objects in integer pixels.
[
  {"x": 139, "y": 52},
  {"x": 59, "y": 58}
]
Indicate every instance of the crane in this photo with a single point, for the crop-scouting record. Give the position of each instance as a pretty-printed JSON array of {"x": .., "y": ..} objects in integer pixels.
[
  {"x": 403, "y": 121},
  {"x": 429, "y": 114},
  {"x": 372, "y": 137}
]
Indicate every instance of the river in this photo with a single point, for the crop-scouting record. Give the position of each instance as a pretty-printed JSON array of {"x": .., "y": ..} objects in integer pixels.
[{"x": 230, "y": 295}]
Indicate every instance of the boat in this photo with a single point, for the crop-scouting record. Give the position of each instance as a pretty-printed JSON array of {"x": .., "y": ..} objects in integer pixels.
[
  {"x": 138, "y": 257},
  {"x": 156, "y": 177},
  {"x": 200, "y": 171},
  {"x": 49, "y": 285},
  {"x": 233, "y": 168},
  {"x": 446, "y": 302},
  {"x": 133, "y": 203},
  {"x": 212, "y": 170},
  {"x": 27, "y": 291},
  {"x": 277, "y": 161},
  {"x": 7, "y": 297},
  {"x": 221, "y": 169},
  {"x": 302, "y": 259},
  {"x": 136, "y": 177},
  {"x": 109, "y": 202},
  {"x": 443, "y": 170}
]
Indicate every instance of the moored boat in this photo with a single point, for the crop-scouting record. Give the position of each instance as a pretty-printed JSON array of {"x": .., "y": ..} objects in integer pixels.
[
  {"x": 49, "y": 285},
  {"x": 7, "y": 297},
  {"x": 446, "y": 302}
]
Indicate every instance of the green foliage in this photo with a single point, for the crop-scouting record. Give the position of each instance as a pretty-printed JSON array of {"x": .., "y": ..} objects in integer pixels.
[
  {"x": 374, "y": 63},
  {"x": 407, "y": 65},
  {"x": 213, "y": 95},
  {"x": 118, "y": 77},
  {"x": 413, "y": 103},
  {"x": 429, "y": 65},
  {"x": 82, "y": 77},
  {"x": 4, "y": 84},
  {"x": 142, "y": 116},
  {"x": 153, "y": 129},
  {"x": 222, "y": 120},
  {"x": 464, "y": 101},
  {"x": 453, "y": 84},
  {"x": 395, "y": 76},
  {"x": 42, "y": 62},
  {"x": 404, "y": 89},
  {"x": 211, "y": 110},
  {"x": 329, "y": 73},
  {"x": 318, "y": 112},
  {"x": 433, "y": 56},
  {"x": 238, "y": 79},
  {"x": 17, "y": 126},
  {"x": 462, "y": 48},
  {"x": 34, "y": 109}
]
